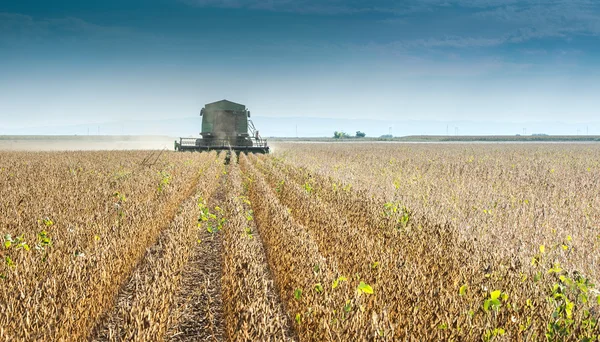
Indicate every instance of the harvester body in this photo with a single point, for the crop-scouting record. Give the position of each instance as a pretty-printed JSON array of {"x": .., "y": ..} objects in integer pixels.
[{"x": 225, "y": 126}]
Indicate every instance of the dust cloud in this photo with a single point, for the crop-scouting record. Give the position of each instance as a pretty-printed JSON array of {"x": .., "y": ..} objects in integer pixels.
[{"x": 85, "y": 143}]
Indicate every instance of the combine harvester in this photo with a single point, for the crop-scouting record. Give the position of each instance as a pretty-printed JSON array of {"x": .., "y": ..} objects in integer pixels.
[{"x": 225, "y": 126}]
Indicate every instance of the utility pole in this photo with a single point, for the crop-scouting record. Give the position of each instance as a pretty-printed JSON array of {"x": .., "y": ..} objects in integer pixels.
[
  {"x": 391, "y": 131},
  {"x": 447, "y": 130}
]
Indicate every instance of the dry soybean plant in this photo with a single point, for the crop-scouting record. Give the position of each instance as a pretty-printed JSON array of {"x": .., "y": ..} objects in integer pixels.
[{"x": 316, "y": 242}]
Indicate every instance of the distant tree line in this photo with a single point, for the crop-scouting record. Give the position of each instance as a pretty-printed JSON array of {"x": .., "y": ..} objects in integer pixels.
[{"x": 342, "y": 135}]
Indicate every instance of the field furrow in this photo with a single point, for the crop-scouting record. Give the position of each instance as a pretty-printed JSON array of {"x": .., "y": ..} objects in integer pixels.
[
  {"x": 315, "y": 242},
  {"x": 304, "y": 277},
  {"x": 472, "y": 263},
  {"x": 144, "y": 305},
  {"x": 198, "y": 313},
  {"x": 379, "y": 262},
  {"x": 82, "y": 253}
]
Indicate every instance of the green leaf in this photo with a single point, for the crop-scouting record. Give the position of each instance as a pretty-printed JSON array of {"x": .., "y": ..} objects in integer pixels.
[
  {"x": 348, "y": 306},
  {"x": 7, "y": 244},
  {"x": 298, "y": 294},
  {"x": 555, "y": 269},
  {"x": 494, "y": 303},
  {"x": 318, "y": 287},
  {"x": 598, "y": 299},
  {"x": 569, "y": 308},
  {"x": 337, "y": 281},
  {"x": 495, "y": 294},
  {"x": 44, "y": 238},
  {"x": 463, "y": 290},
  {"x": 365, "y": 288},
  {"x": 9, "y": 261},
  {"x": 534, "y": 261},
  {"x": 298, "y": 318},
  {"x": 542, "y": 249}
]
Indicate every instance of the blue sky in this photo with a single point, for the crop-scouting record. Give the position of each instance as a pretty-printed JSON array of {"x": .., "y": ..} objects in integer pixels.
[{"x": 79, "y": 62}]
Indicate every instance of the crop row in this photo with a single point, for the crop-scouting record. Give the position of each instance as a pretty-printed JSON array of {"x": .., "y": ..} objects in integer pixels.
[
  {"x": 456, "y": 286},
  {"x": 144, "y": 309},
  {"x": 253, "y": 310},
  {"x": 105, "y": 246},
  {"x": 75, "y": 225}
]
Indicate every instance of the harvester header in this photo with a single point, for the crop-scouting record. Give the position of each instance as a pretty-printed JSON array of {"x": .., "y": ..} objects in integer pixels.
[{"x": 225, "y": 126}]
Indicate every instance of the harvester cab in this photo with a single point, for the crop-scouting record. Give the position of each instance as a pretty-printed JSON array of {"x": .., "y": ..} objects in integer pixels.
[{"x": 225, "y": 126}]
